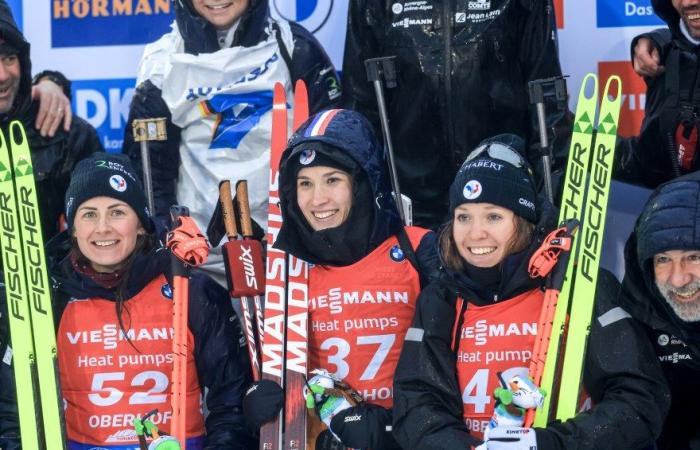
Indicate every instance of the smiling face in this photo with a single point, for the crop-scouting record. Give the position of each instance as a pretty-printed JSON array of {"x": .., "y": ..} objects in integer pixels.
[
  {"x": 106, "y": 231},
  {"x": 689, "y": 11},
  {"x": 677, "y": 275},
  {"x": 220, "y": 13},
  {"x": 483, "y": 232},
  {"x": 324, "y": 196},
  {"x": 9, "y": 81}
]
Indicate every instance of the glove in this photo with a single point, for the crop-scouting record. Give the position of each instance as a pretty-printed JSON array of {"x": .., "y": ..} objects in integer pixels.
[
  {"x": 187, "y": 243},
  {"x": 364, "y": 426},
  {"x": 262, "y": 402},
  {"x": 327, "y": 441},
  {"x": 507, "y": 438}
]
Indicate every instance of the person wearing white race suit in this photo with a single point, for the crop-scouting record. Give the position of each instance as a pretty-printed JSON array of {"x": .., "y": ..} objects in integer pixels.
[{"x": 212, "y": 77}]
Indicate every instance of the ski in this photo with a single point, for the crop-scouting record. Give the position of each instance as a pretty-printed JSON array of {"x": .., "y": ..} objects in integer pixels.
[
  {"x": 591, "y": 244},
  {"x": 28, "y": 299},
  {"x": 584, "y": 199},
  {"x": 284, "y": 350}
]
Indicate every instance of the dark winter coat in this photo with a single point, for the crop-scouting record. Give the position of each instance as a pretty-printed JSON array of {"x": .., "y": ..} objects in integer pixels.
[
  {"x": 54, "y": 157},
  {"x": 309, "y": 62},
  {"x": 671, "y": 98},
  {"x": 462, "y": 76},
  {"x": 218, "y": 354},
  {"x": 670, "y": 221},
  {"x": 620, "y": 374}
]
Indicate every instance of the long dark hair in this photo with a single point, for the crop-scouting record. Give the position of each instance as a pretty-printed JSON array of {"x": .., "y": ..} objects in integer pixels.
[
  {"x": 522, "y": 236},
  {"x": 144, "y": 244}
]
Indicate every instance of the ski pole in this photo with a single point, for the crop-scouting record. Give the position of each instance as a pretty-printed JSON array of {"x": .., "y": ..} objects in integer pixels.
[
  {"x": 537, "y": 89},
  {"x": 146, "y": 130},
  {"x": 379, "y": 69},
  {"x": 256, "y": 250},
  {"x": 551, "y": 261},
  {"x": 239, "y": 260}
]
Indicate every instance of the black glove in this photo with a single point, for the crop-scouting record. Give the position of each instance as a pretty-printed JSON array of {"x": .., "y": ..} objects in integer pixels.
[
  {"x": 262, "y": 402},
  {"x": 326, "y": 441},
  {"x": 365, "y": 426}
]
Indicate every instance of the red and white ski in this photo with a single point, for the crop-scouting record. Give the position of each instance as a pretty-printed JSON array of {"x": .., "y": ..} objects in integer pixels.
[{"x": 285, "y": 337}]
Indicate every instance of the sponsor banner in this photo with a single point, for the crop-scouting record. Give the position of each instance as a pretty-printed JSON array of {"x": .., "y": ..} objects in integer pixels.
[
  {"x": 80, "y": 23},
  {"x": 618, "y": 13},
  {"x": 559, "y": 12},
  {"x": 633, "y": 95},
  {"x": 105, "y": 104}
]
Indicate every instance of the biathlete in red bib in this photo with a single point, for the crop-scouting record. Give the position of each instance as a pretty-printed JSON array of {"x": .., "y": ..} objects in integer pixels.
[
  {"x": 476, "y": 324},
  {"x": 114, "y": 307},
  {"x": 340, "y": 216}
]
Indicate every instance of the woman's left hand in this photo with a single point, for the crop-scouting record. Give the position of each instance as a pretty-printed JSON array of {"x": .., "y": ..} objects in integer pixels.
[{"x": 509, "y": 438}]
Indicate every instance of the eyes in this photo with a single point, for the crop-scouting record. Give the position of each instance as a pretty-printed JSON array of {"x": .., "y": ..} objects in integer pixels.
[
  {"x": 663, "y": 259},
  {"x": 9, "y": 60},
  {"x": 490, "y": 218},
  {"x": 305, "y": 183},
  {"x": 89, "y": 214}
]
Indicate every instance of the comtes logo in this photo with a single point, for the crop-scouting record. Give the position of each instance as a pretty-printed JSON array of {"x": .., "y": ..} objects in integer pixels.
[
  {"x": 77, "y": 23},
  {"x": 633, "y": 95},
  {"x": 312, "y": 14},
  {"x": 619, "y": 13},
  {"x": 105, "y": 105}
]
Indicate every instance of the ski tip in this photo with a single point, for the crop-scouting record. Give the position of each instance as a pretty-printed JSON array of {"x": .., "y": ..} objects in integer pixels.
[{"x": 300, "y": 87}]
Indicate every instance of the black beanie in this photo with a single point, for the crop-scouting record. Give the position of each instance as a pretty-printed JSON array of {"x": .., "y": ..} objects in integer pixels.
[
  {"x": 108, "y": 175},
  {"x": 312, "y": 154},
  {"x": 487, "y": 179}
]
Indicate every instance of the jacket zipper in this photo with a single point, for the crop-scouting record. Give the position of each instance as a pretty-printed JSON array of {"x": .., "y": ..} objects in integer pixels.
[{"x": 447, "y": 19}]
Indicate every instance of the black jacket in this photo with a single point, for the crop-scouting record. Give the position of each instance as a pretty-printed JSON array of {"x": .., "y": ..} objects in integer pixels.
[
  {"x": 53, "y": 158},
  {"x": 462, "y": 76},
  {"x": 219, "y": 356},
  {"x": 626, "y": 386},
  {"x": 669, "y": 221},
  {"x": 309, "y": 62},
  {"x": 672, "y": 97}
]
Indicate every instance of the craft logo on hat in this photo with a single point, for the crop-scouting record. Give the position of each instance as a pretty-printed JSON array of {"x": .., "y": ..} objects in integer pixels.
[
  {"x": 306, "y": 157},
  {"x": 118, "y": 183},
  {"x": 472, "y": 190}
]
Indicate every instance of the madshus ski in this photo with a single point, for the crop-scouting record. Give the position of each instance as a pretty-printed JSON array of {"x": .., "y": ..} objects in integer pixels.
[
  {"x": 584, "y": 198},
  {"x": 28, "y": 297},
  {"x": 285, "y": 344}
]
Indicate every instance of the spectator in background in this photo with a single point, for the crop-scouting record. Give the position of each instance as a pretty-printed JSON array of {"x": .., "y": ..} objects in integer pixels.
[
  {"x": 55, "y": 151},
  {"x": 667, "y": 59},
  {"x": 463, "y": 70},
  {"x": 212, "y": 77}
]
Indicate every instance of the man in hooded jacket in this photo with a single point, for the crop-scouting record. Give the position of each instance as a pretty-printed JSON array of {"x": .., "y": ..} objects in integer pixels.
[
  {"x": 53, "y": 157},
  {"x": 667, "y": 144},
  {"x": 212, "y": 77},
  {"x": 463, "y": 69},
  {"x": 661, "y": 289}
]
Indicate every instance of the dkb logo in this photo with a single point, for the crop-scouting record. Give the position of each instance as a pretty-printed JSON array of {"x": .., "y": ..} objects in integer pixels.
[{"x": 312, "y": 14}]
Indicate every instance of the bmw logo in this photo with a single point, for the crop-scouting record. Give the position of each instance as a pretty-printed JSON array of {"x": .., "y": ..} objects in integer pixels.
[
  {"x": 472, "y": 190},
  {"x": 312, "y": 14},
  {"x": 167, "y": 291},
  {"x": 396, "y": 253},
  {"x": 307, "y": 156},
  {"x": 663, "y": 339},
  {"x": 118, "y": 183}
]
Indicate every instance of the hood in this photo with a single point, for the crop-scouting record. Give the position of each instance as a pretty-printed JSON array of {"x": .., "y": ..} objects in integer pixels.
[
  {"x": 514, "y": 277},
  {"x": 670, "y": 220},
  {"x": 347, "y": 137},
  {"x": 665, "y": 10},
  {"x": 200, "y": 36},
  {"x": 72, "y": 284},
  {"x": 10, "y": 32}
]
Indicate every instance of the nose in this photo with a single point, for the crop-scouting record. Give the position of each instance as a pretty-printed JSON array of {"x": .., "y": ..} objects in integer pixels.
[
  {"x": 319, "y": 196},
  {"x": 102, "y": 224},
  {"x": 4, "y": 73},
  {"x": 679, "y": 275},
  {"x": 477, "y": 231}
]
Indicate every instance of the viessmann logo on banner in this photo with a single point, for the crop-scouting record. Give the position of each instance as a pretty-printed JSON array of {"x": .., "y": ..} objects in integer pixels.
[
  {"x": 79, "y": 23},
  {"x": 312, "y": 14},
  {"x": 619, "y": 13},
  {"x": 105, "y": 105}
]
